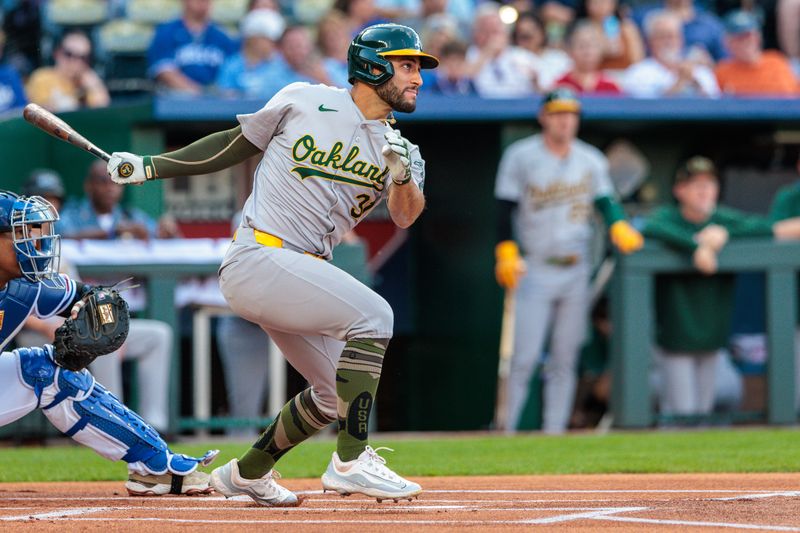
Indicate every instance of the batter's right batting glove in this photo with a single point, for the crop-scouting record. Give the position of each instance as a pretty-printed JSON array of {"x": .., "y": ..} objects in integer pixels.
[
  {"x": 625, "y": 237},
  {"x": 509, "y": 266},
  {"x": 126, "y": 168},
  {"x": 396, "y": 154}
]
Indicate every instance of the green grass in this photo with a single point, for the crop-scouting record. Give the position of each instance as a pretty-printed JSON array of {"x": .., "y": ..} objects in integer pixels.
[{"x": 740, "y": 450}]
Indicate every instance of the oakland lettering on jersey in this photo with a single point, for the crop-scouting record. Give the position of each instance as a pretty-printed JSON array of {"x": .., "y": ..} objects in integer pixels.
[
  {"x": 305, "y": 149},
  {"x": 559, "y": 192}
]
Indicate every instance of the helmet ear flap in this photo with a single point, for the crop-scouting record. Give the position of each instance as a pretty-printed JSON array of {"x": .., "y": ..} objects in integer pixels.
[{"x": 361, "y": 62}]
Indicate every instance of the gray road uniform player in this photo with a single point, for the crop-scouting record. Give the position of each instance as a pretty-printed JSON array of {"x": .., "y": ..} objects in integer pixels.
[
  {"x": 551, "y": 183},
  {"x": 329, "y": 157}
]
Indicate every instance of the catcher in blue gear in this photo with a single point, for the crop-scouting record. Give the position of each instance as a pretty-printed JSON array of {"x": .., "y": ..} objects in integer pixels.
[{"x": 37, "y": 378}]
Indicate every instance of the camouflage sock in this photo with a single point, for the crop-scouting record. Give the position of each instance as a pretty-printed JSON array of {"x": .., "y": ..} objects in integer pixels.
[
  {"x": 298, "y": 420},
  {"x": 357, "y": 377}
]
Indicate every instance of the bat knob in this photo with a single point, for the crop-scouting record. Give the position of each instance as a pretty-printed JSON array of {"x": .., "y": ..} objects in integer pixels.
[{"x": 125, "y": 169}]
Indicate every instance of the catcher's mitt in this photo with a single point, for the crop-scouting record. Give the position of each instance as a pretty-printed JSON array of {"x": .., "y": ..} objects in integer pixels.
[{"x": 99, "y": 329}]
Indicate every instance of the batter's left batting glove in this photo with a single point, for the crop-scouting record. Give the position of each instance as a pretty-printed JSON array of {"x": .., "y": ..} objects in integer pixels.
[
  {"x": 396, "y": 154},
  {"x": 126, "y": 168},
  {"x": 625, "y": 237}
]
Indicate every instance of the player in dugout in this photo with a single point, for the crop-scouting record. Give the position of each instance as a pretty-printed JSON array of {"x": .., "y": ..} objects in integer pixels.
[{"x": 547, "y": 187}]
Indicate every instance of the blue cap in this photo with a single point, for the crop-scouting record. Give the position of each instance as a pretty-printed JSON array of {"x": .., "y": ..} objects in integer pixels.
[{"x": 738, "y": 22}]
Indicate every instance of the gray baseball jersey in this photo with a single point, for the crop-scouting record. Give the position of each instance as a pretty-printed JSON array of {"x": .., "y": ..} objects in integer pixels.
[
  {"x": 322, "y": 170},
  {"x": 555, "y": 196}
]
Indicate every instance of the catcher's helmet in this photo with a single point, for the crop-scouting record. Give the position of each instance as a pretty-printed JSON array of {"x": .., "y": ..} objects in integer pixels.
[
  {"x": 374, "y": 44},
  {"x": 30, "y": 221}
]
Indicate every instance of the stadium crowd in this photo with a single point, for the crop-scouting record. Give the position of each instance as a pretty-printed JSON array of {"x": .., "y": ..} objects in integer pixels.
[{"x": 66, "y": 54}]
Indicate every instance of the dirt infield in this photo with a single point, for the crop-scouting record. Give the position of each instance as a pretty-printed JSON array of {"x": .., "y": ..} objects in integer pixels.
[{"x": 765, "y": 502}]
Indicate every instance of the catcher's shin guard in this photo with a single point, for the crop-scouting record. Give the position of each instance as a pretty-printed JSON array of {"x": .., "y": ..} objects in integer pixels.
[{"x": 83, "y": 409}]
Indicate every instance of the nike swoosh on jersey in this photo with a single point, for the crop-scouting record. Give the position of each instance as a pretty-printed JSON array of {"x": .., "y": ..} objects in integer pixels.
[{"x": 323, "y": 108}]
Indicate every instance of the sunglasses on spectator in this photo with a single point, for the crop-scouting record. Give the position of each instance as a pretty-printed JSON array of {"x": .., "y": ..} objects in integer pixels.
[
  {"x": 525, "y": 36},
  {"x": 72, "y": 55}
]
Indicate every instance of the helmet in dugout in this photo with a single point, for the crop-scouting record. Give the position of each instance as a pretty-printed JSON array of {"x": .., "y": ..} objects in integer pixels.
[{"x": 374, "y": 44}]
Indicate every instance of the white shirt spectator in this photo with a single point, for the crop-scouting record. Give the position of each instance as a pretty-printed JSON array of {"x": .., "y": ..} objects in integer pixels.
[
  {"x": 510, "y": 75},
  {"x": 554, "y": 63},
  {"x": 650, "y": 79}
]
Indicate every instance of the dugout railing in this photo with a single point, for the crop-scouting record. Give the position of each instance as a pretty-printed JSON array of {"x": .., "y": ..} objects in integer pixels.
[{"x": 632, "y": 298}]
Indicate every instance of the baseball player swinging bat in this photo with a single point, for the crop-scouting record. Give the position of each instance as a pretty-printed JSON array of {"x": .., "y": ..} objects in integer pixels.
[
  {"x": 504, "y": 366},
  {"x": 51, "y": 124}
]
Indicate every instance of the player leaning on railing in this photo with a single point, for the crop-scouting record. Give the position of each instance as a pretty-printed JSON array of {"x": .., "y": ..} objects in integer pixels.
[{"x": 55, "y": 380}]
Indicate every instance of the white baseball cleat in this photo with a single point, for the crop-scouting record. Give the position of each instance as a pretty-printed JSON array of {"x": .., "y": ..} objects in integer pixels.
[
  {"x": 194, "y": 484},
  {"x": 369, "y": 475},
  {"x": 265, "y": 491}
]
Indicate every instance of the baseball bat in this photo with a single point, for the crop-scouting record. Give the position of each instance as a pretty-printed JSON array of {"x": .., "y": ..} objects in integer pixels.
[
  {"x": 504, "y": 365},
  {"x": 51, "y": 124}
]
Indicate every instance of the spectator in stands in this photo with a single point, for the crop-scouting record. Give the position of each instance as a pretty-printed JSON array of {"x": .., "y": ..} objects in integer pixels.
[
  {"x": 252, "y": 5},
  {"x": 359, "y": 13},
  {"x": 149, "y": 342},
  {"x": 452, "y": 77},
  {"x": 333, "y": 40},
  {"x": 186, "y": 54},
  {"x": 459, "y": 12},
  {"x": 100, "y": 215},
  {"x": 499, "y": 69},
  {"x": 436, "y": 31},
  {"x": 258, "y": 70},
  {"x": 557, "y": 16},
  {"x": 693, "y": 312},
  {"x": 70, "y": 83},
  {"x": 702, "y": 30},
  {"x": 12, "y": 94},
  {"x": 585, "y": 44},
  {"x": 668, "y": 72},
  {"x": 622, "y": 42},
  {"x": 529, "y": 34},
  {"x": 304, "y": 61},
  {"x": 22, "y": 25},
  {"x": 788, "y": 17},
  {"x": 750, "y": 70}
]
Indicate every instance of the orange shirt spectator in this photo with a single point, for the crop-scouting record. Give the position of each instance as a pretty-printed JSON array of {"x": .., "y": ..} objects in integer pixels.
[
  {"x": 750, "y": 70},
  {"x": 772, "y": 74}
]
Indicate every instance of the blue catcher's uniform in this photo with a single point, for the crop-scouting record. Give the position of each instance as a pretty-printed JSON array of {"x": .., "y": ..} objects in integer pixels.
[{"x": 73, "y": 401}]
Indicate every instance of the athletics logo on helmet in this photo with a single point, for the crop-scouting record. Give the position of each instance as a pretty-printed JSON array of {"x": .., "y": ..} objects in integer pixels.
[
  {"x": 374, "y": 44},
  {"x": 561, "y": 100},
  {"x": 30, "y": 220}
]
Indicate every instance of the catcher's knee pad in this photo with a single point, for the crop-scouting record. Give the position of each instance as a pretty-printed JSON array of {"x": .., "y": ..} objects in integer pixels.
[
  {"x": 40, "y": 373},
  {"x": 84, "y": 410},
  {"x": 36, "y": 368}
]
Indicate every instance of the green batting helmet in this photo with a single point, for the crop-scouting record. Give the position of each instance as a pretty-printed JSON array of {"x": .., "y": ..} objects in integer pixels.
[{"x": 374, "y": 44}]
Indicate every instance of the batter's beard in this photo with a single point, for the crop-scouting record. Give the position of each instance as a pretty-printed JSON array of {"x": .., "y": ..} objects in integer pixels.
[{"x": 394, "y": 97}]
